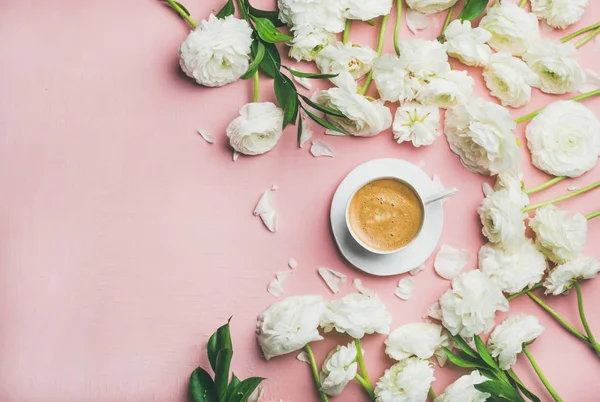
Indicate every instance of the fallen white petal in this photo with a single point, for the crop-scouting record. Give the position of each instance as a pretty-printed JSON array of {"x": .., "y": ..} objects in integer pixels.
[
  {"x": 270, "y": 220},
  {"x": 435, "y": 311},
  {"x": 303, "y": 357},
  {"x": 306, "y": 130},
  {"x": 207, "y": 137},
  {"x": 292, "y": 263},
  {"x": 592, "y": 82},
  {"x": 256, "y": 395},
  {"x": 416, "y": 21},
  {"x": 405, "y": 288},
  {"x": 274, "y": 187},
  {"x": 546, "y": 28},
  {"x": 335, "y": 133},
  {"x": 275, "y": 288},
  {"x": 333, "y": 279},
  {"x": 319, "y": 148},
  {"x": 449, "y": 261},
  {"x": 305, "y": 82},
  {"x": 572, "y": 188},
  {"x": 487, "y": 189},
  {"x": 283, "y": 275},
  {"x": 360, "y": 288},
  {"x": 235, "y": 155},
  {"x": 416, "y": 270},
  {"x": 265, "y": 204}
]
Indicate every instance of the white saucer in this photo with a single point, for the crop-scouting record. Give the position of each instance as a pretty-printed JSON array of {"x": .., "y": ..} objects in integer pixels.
[{"x": 418, "y": 250}]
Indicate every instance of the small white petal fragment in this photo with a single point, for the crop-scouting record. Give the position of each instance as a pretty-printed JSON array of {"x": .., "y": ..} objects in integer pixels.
[
  {"x": 292, "y": 263},
  {"x": 416, "y": 270},
  {"x": 487, "y": 189},
  {"x": 283, "y": 275},
  {"x": 319, "y": 148},
  {"x": 305, "y": 82},
  {"x": 572, "y": 188},
  {"x": 449, "y": 262},
  {"x": 274, "y": 187},
  {"x": 270, "y": 220},
  {"x": 416, "y": 21},
  {"x": 435, "y": 311},
  {"x": 592, "y": 82},
  {"x": 306, "y": 130},
  {"x": 275, "y": 288},
  {"x": 207, "y": 137},
  {"x": 335, "y": 133},
  {"x": 333, "y": 279},
  {"x": 303, "y": 357},
  {"x": 405, "y": 288},
  {"x": 257, "y": 394},
  {"x": 235, "y": 155},
  {"x": 265, "y": 204},
  {"x": 360, "y": 288}
]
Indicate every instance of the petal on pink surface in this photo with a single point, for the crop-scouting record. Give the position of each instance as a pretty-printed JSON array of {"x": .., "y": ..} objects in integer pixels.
[
  {"x": 319, "y": 148},
  {"x": 207, "y": 137},
  {"x": 333, "y": 279},
  {"x": 449, "y": 261},
  {"x": 416, "y": 21}
]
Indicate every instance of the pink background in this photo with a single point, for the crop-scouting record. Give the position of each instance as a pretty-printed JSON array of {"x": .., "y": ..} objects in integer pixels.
[{"x": 126, "y": 239}]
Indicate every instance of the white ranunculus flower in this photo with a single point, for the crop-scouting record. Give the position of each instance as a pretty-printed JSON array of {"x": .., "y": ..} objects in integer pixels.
[
  {"x": 469, "y": 308},
  {"x": 364, "y": 118},
  {"x": 365, "y": 10},
  {"x": 356, "y": 315},
  {"x": 512, "y": 181},
  {"x": 217, "y": 52},
  {"x": 559, "y": 236},
  {"x": 289, "y": 325},
  {"x": 309, "y": 41},
  {"x": 554, "y": 63},
  {"x": 513, "y": 29},
  {"x": 419, "y": 339},
  {"x": 456, "y": 87},
  {"x": 425, "y": 59},
  {"x": 564, "y": 139},
  {"x": 507, "y": 340},
  {"x": 406, "y": 381},
  {"x": 481, "y": 133},
  {"x": 339, "y": 58},
  {"x": 559, "y": 13},
  {"x": 393, "y": 81},
  {"x": 562, "y": 277},
  {"x": 430, "y": 6},
  {"x": 512, "y": 270},
  {"x": 257, "y": 129},
  {"x": 321, "y": 14},
  {"x": 502, "y": 219},
  {"x": 339, "y": 369},
  {"x": 509, "y": 79},
  {"x": 463, "y": 389},
  {"x": 416, "y": 123},
  {"x": 467, "y": 44}
]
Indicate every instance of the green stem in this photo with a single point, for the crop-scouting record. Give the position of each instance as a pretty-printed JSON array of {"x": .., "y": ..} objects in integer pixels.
[
  {"x": 315, "y": 371},
  {"x": 524, "y": 291},
  {"x": 380, "y": 42},
  {"x": 575, "y": 98},
  {"x": 558, "y": 318},
  {"x": 511, "y": 373},
  {"x": 397, "y": 26},
  {"x": 587, "y": 38},
  {"x": 545, "y": 185},
  {"x": 581, "y": 31},
  {"x": 361, "y": 362},
  {"x": 182, "y": 13},
  {"x": 346, "y": 33},
  {"x": 256, "y": 89},
  {"x": 541, "y": 375},
  {"x": 431, "y": 393},
  {"x": 584, "y": 320},
  {"x": 367, "y": 386},
  {"x": 447, "y": 22},
  {"x": 592, "y": 215},
  {"x": 563, "y": 198},
  {"x": 523, "y": 3}
]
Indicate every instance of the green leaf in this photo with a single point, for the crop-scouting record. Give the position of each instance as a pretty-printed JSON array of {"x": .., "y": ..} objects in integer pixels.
[
  {"x": 202, "y": 387},
  {"x": 484, "y": 354},
  {"x": 323, "y": 122},
  {"x": 461, "y": 361},
  {"x": 268, "y": 32},
  {"x": 287, "y": 96},
  {"x": 227, "y": 10},
  {"x": 322, "y": 108},
  {"x": 219, "y": 340},
  {"x": 271, "y": 63},
  {"x": 299, "y": 131},
  {"x": 222, "y": 372},
  {"x": 309, "y": 75},
  {"x": 244, "y": 389},
  {"x": 464, "y": 346},
  {"x": 530, "y": 395},
  {"x": 272, "y": 16},
  {"x": 257, "y": 57},
  {"x": 472, "y": 9},
  {"x": 231, "y": 387},
  {"x": 500, "y": 389}
]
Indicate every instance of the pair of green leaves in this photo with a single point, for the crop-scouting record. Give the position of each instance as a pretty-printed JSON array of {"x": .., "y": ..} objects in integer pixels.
[{"x": 222, "y": 389}]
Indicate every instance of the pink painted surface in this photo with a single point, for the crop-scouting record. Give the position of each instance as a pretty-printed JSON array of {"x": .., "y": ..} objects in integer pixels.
[{"x": 125, "y": 239}]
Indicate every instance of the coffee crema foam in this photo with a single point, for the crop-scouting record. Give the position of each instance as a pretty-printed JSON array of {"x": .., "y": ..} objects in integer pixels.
[{"x": 385, "y": 214}]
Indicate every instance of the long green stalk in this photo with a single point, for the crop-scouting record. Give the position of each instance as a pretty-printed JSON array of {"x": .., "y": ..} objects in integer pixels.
[
  {"x": 182, "y": 13},
  {"x": 315, "y": 372},
  {"x": 346, "y": 33},
  {"x": 446, "y": 22},
  {"x": 563, "y": 197},
  {"x": 581, "y": 31},
  {"x": 541, "y": 375},
  {"x": 256, "y": 89},
  {"x": 587, "y": 38},
  {"x": 380, "y": 42},
  {"x": 575, "y": 98},
  {"x": 367, "y": 386},
  {"x": 523, "y": 3},
  {"x": 592, "y": 215},
  {"x": 397, "y": 25},
  {"x": 545, "y": 185},
  {"x": 584, "y": 320}
]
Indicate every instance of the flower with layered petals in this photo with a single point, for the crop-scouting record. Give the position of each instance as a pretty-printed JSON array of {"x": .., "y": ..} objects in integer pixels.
[
  {"x": 559, "y": 13},
  {"x": 257, "y": 129},
  {"x": 339, "y": 58},
  {"x": 365, "y": 10},
  {"x": 425, "y": 59},
  {"x": 416, "y": 123},
  {"x": 507, "y": 340},
  {"x": 430, "y": 6},
  {"x": 393, "y": 81},
  {"x": 339, "y": 369},
  {"x": 326, "y": 15},
  {"x": 308, "y": 42},
  {"x": 406, "y": 381},
  {"x": 356, "y": 315},
  {"x": 562, "y": 277},
  {"x": 513, "y": 29},
  {"x": 463, "y": 389},
  {"x": 467, "y": 44},
  {"x": 512, "y": 181},
  {"x": 509, "y": 79},
  {"x": 419, "y": 339},
  {"x": 456, "y": 87},
  {"x": 502, "y": 219}
]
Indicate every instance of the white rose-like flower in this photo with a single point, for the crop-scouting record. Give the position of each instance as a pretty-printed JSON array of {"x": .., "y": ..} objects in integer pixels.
[
  {"x": 559, "y": 13},
  {"x": 554, "y": 63},
  {"x": 419, "y": 339},
  {"x": 406, "y": 381},
  {"x": 456, "y": 87},
  {"x": 365, "y": 10},
  {"x": 513, "y": 29},
  {"x": 339, "y": 58},
  {"x": 257, "y": 129},
  {"x": 217, "y": 52},
  {"x": 339, "y": 369},
  {"x": 430, "y": 6},
  {"x": 467, "y": 44},
  {"x": 393, "y": 81},
  {"x": 507, "y": 340},
  {"x": 562, "y": 277},
  {"x": 502, "y": 219},
  {"x": 564, "y": 139},
  {"x": 425, "y": 59},
  {"x": 469, "y": 308},
  {"x": 509, "y": 79},
  {"x": 559, "y": 236},
  {"x": 463, "y": 389},
  {"x": 416, "y": 123},
  {"x": 513, "y": 270},
  {"x": 512, "y": 181},
  {"x": 321, "y": 14},
  {"x": 309, "y": 41},
  {"x": 289, "y": 325},
  {"x": 356, "y": 315},
  {"x": 481, "y": 133}
]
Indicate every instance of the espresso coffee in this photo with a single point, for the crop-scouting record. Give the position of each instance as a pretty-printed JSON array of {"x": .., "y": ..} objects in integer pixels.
[{"x": 385, "y": 214}]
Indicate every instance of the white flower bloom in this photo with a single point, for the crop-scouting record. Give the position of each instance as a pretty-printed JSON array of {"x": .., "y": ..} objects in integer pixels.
[
  {"x": 354, "y": 59},
  {"x": 406, "y": 381},
  {"x": 257, "y": 129},
  {"x": 326, "y": 15},
  {"x": 502, "y": 219},
  {"x": 554, "y": 63},
  {"x": 419, "y": 339},
  {"x": 463, "y": 389},
  {"x": 425, "y": 59},
  {"x": 559, "y": 13},
  {"x": 562, "y": 277},
  {"x": 481, "y": 133},
  {"x": 507, "y": 340},
  {"x": 509, "y": 79},
  {"x": 513, "y": 29},
  {"x": 430, "y": 6},
  {"x": 515, "y": 270},
  {"x": 309, "y": 41},
  {"x": 365, "y": 10},
  {"x": 512, "y": 181},
  {"x": 456, "y": 87},
  {"x": 564, "y": 139},
  {"x": 339, "y": 369},
  {"x": 559, "y": 236},
  {"x": 469, "y": 308},
  {"x": 393, "y": 81},
  {"x": 467, "y": 44},
  {"x": 416, "y": 123},
  {"x": 356, "y": 315},
  {"x": 217, "y": 52},
  {"x": 289, "y": 325}
]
